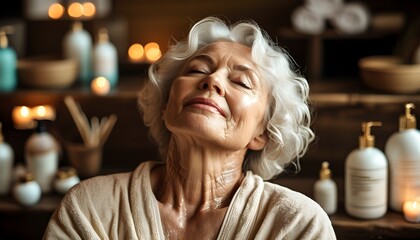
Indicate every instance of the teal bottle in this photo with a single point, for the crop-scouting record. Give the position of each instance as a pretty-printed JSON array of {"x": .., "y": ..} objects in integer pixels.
[{"x": 8, "y": 65}]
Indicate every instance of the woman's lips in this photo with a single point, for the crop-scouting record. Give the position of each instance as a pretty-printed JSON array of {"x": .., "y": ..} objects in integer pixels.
[{"x": 206, "y": 103}]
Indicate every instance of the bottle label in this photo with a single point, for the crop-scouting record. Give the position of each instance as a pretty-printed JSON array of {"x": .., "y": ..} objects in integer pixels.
[
  {"x": 405, "y": 179},
  {"x": 366, "y": 188},
  {"x": 43, "y": 166},
  {"x": 104, "y": 67}
]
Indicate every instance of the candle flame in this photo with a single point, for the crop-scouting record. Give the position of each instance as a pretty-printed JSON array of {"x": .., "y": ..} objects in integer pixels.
[
  {"x": 40, "y": 111},
  {"x": 24, "y": 111},
  {"x": 101, "y": 82},
  {"x": 23, "y": 116},
  {"x": 43, "y": 112},
  {"x": 100, "y": 85}
]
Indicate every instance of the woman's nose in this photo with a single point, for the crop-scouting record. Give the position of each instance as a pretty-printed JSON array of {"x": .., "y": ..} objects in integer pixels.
[{"x": 212, "y": 83}]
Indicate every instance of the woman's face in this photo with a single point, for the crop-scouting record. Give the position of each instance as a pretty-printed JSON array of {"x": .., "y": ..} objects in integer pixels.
[{"x": 219, "y": 98}]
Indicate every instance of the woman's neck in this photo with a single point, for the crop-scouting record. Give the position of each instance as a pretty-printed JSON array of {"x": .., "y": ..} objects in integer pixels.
[
  {"x": 198, "y": 179},
  {"x": 194, "y": 189}
]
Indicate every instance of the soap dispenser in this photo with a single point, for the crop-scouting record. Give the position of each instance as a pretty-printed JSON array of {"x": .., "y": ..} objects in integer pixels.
[
  {"x": 77, "y": 44},
  {"x": 105, "y": 58},
  {"x": 325, "y": 190},
  {"x": 8, "y": 64},
  {"x": 6, "y": 164},
  {"x": 366, "y": 178},
  {"x": 41, "y": 155},
  {"x": 403, "y": 152}
]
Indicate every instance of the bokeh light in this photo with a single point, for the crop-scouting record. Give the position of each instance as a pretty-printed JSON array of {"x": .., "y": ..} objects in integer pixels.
[
  {"x": 55, "y": 11},
  {"x": 89, "y": 9},
  {"x": 75, "y": 10},
  {"x": 136, "y": 52},
  {"x": 152, "y": 51}
]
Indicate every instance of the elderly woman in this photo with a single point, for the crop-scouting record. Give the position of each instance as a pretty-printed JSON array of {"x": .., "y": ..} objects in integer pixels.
[{"x": 227, "y": 112}]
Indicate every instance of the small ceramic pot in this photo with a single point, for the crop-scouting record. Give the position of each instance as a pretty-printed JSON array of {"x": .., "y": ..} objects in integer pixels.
[
  {"x": 27, "y": 191},
  {"x": 65, "y": 179}
]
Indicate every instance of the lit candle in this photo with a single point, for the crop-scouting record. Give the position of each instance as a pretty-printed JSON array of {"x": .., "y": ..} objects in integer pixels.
[
  {"x": 22, "y": 117},
  {"x": 411, "y": 210},
  {"x": 43, "y": 112},
  {"x": 100, "y": 86}
]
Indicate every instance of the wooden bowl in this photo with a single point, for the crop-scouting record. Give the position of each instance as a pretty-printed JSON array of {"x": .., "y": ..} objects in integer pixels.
[
  {"x": 389, "y": 74},
  {"x": 47, "y": 72}
]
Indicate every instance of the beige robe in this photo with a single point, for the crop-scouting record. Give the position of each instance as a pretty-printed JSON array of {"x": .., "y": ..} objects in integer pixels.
[{"x": 123, "y": 206}]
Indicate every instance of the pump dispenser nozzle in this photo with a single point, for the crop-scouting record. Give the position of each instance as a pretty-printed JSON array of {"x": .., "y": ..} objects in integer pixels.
[
  {"x": 41, "y": 125},
  {"x": 408, "y": 120},
  {"x": 3, "y": 39},
  {"x": 325, "y": 172},
  {"x": 368, "y": 140},
  {"x": 4, "y": 42},
  {"x": 77, "y": 26},
  {"x": 103, "y": 35}
]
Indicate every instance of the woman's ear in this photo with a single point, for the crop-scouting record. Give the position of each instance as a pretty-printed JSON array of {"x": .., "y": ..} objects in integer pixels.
[{"x": 258, "y": 142}]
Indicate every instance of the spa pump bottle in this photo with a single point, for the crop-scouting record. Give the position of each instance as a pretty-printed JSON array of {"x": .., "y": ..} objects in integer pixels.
[
  {"x": 6, "y": 164},
  {"x": 366, "y": 176},
  {"x": 77, "y": 44},
  {"x": 105, "y": 58},
  {"x": 403, "y": 152},
  {"x": 8, "y": 64},
  {"x": 325, "y": 190},
  {"x": 41, "y": 155}
]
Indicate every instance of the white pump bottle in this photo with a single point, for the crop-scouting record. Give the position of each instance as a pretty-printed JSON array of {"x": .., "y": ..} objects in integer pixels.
[
  {"x": 325, "y": 190},
  {"x": 6, "y": 164},
  {"x": 366, "y": 178},
  {"x": 77, "y": 44},
  {"x": 403, "y": 152}
]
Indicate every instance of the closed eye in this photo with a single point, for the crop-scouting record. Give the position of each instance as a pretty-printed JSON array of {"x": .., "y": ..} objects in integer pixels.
[
  {"x": 196, "y": 71},
  {"x": 242, "y": 84}
]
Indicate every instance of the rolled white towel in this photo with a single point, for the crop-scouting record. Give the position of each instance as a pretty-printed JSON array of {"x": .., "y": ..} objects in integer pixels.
[
  {"x": 307, "y": 21},
  {"x": 324, "y": 8},
  {"x": 352, "y": 18}
]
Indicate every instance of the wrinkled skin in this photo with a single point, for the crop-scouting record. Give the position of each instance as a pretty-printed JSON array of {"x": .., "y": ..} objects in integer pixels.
[{"x": 215, "y": 113}]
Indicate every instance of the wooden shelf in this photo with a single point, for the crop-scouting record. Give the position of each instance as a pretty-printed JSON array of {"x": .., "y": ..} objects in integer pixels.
[
  {"x": 351, "y": 92},
  {"x": 316, "y": 44},
  {"x": 332, "y": 34}
]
